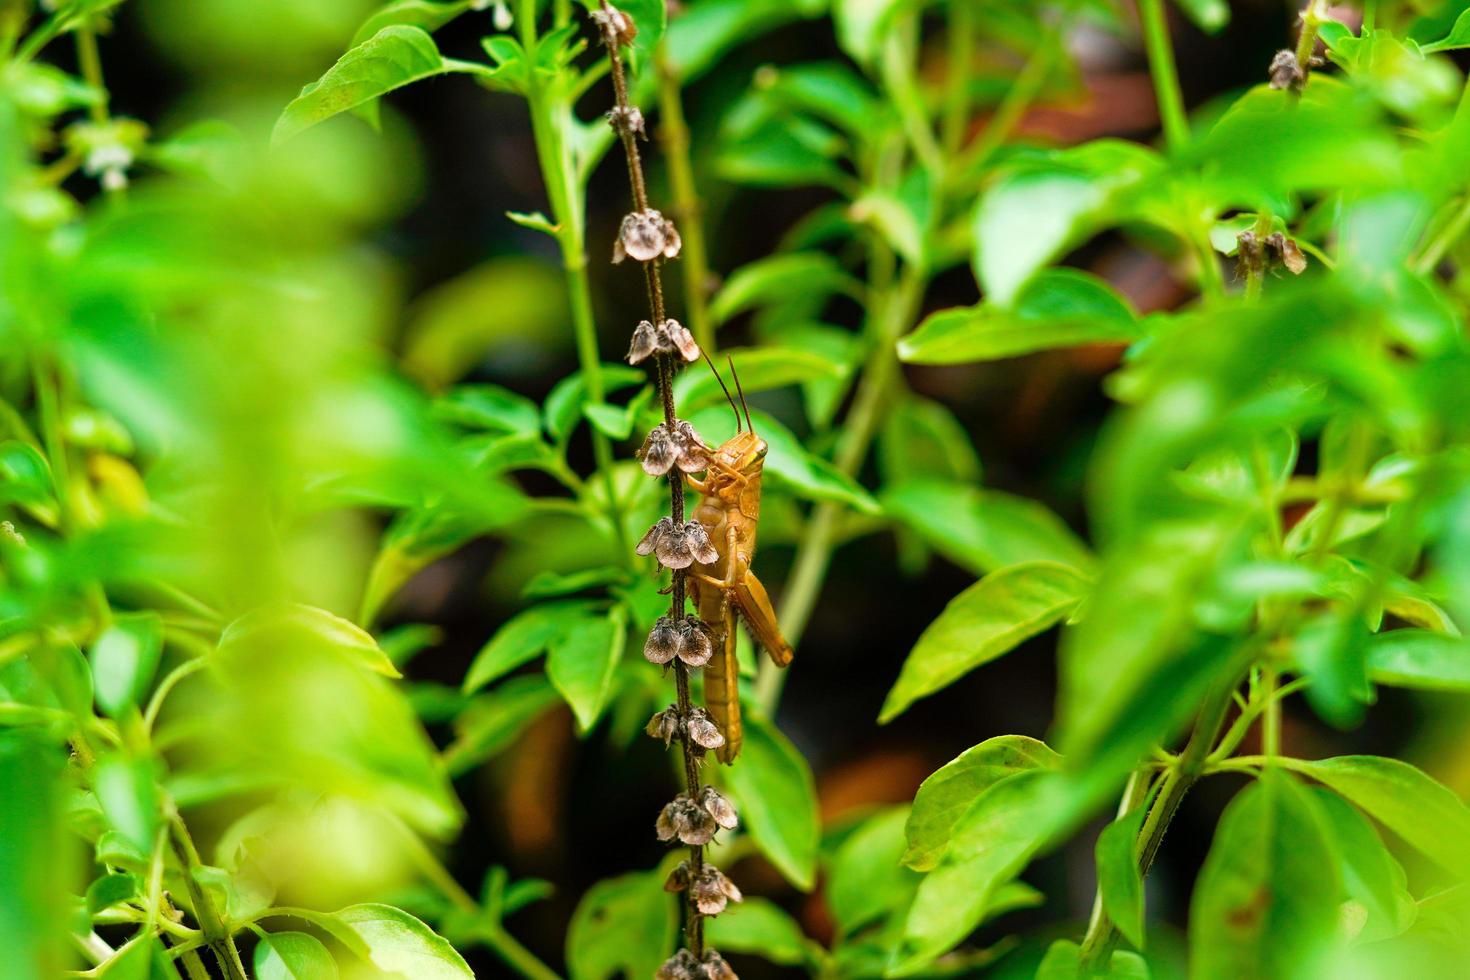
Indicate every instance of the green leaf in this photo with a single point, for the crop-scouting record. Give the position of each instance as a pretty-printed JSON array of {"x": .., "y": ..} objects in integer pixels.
[
  {"x": 1063, "y": 961},
  {"x": 760, "y": 369},
  {"x": 124, "y": 659},
  {"x": 110, "y": 889},
  {"x": 416, "y": 13},
  {"x": 293, "y": 956},
  {"x": 25, "y": 476},
  {"x": 133, "y": 961},
  {"x": 582, "y": 660},
  {"x": 1057, "y": 308},
  {"x": 986, "y": 620},
  {"x": 393, "y": 57},
  {"x": 396, "y": 942},
  {"x": 128, "y": 792},
  {"x": 1332, "y": 650},
  {"x": 1027, "y": 219},
  {"x": 1118, "y": 879},
  {"x": 1420, "y": 659},
  {"x": 983, "y": 530},
  {"x": 1458, "y": 37},
  {"x": 493, "y": 721},
  {"x": 489, "y": 407},
  {"x": 327, "y": 631},
  {"x": 563, "y": 407},
  {"x": 623, "y": 926},
  {"x": 1266, "y": 901},
  {"x": 951, "y": 790},
  {"x": 921, "y": 439},
  {"x": 861, "y": 25},
  {"x": 523, "y": 638},
  {"x": 1404, "y": 799},
  {"x": 776, "y": 279},
  {"x": 866, "y": 878},
  {"x": 1210, "y": 16},
  {"x": 777, "y": 798},
  {"x": 35, "y": 872},
  {"x": 994, "y": 839},
  {"x": 760, "y": 926},
  {"x": 1372, "y": 879}
]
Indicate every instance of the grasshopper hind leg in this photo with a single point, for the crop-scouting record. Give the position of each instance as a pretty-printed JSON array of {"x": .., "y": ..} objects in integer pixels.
[{"x": 722, "y": 689}]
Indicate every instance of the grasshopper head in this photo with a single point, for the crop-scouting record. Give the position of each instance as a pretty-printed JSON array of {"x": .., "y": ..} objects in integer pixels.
[{"x": 744, "y": 451}]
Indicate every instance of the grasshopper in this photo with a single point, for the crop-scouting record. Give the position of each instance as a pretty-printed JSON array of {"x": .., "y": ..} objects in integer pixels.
[{"x": 729, "y": 508}]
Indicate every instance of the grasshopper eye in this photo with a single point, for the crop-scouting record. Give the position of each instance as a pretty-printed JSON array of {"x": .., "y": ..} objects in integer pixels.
[{"x": 761, "y": 449}]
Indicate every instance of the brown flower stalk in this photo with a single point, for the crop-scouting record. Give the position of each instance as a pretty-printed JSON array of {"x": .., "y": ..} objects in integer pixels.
[{"x": 678, "y": 640}]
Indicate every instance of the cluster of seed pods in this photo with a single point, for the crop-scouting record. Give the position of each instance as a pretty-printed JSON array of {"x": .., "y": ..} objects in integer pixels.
[{"x": 677, "y": 641}]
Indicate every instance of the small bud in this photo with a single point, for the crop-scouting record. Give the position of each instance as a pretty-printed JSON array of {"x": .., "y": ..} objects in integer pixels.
[
  {"x": 1286, "y": 72},
  {"x": 715, "y": 967},
  {"x": 686, "y": 820},
  {"x": 1288, "y": 252},
  {"x": 627, "y": 119},
  {"x": 702, "y": 729},
  {"x": 681, "y": 966},
  {"x": 719, "y": 808},
  {"x": 664, "y": 642},
  {"x": 646, "y": 235},
  {"x": 659, "y": 451},
  {"x": 711, "y": 890},
  {"x": 665, "y": 724},
  {"x": 501, "y": 17},
  {"x": 616, "y": 26},
  {"x": 696, "y": 645}
]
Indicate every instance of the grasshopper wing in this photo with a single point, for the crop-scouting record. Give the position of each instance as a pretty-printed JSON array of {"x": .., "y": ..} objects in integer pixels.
[{"x": 755, "y": 606}]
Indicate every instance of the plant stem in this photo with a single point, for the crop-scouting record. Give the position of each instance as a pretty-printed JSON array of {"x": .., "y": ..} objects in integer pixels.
[
  {"x": 674, "y": 136},
  {"x": 1134, "y": 795},
  {"x": 1166, "y": 76},
  {"x": 1306, "y": 42},
  {"x": 1453, "y": 231},
  {"x": 91, "y": 65},
  {"x": 959, "y": 54},
  {"x": 1182, "y": 774},
  {"x": 1255, "y": 273},
  {"x": 666, "y": 363},
  {"x": 216, "y": 933},
  {"x": 879, "y": 378}
]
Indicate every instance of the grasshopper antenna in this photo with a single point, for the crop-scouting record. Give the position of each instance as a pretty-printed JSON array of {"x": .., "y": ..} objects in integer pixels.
[
  {"x": 731, "y": 361},
  {"x": 716, "y": 372}
]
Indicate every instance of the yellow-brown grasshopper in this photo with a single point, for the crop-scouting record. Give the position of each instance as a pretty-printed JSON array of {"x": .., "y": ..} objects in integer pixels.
[{"x": 729, "y": 509}]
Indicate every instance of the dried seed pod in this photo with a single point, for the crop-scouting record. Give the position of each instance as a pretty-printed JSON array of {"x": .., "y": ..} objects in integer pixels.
[
  {"x": 681, "y": 966},
  {"x": 1249, "y": 255},
  {"x": 679, "y": 337},
  {"x": 695, "y": 647},
  {"x": 715, "y": 967},
  {"x": 1288, "y": 252},
  {"x": 644, "y": 344},
  {"x": 659, "y": 451},
  {"x": 627, "y": 119},
  {"x": 646, "y": 235},
  {"x": 1286, "y": 72},
  {"x": 664, "y": 642},
  {"x": 669, "y": 337},
  {"x": 650, "y": 542},
  {"x": 702, "y": 730},
  {"x": 616, "y": 26},
  {"x": 711, "y": 890},
  {"x": 686, "y": 820},
  {"x": 699, "y": 544},
  {"x": 719, "y": 808},
  {"x": 692, "y": 454},
  {"x": 665, "y": 724}
]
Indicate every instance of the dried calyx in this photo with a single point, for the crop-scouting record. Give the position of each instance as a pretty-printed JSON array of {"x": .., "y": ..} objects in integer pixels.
[
  {"x": 613, "y": 23},
  {"x": 686, "y": 820},
  {"x": 668, "y": 337},
  {"x": 678, "y": 545},
  {"x": 698, "y": 727},
  {"x": 666, "y": 448},
  {"x": 1255, "y": 255},
  {"x": 689, "y": 639},
  {"x": 646, "y": 235},
  {"x": 683, "y": 965},
  {"x": 629, "y": 119},
  {"x": 707, "y": 885}
]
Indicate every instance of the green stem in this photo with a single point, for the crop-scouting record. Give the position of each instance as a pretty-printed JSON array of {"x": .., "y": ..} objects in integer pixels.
[
  {"x": 1013, "y": 105},
  {"x": 1452, "y": 232},
  {"x": 1306, "y": 42},
  {"x": 1165, "y": 75},
  {"x": 959, "y": 55},
  {"x": 91, "y": 66},
  {"x": 1255, "y": 274},
  {"x": 216, "y": 934},
  {"x": 688, "y": 211},
  {"x": 879, "y": 378},
  {"x": 47, "y": 385},
  {"x": 897, "y": 65}
]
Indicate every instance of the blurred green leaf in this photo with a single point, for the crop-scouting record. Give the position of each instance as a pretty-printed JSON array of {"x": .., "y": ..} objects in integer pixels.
[
  {"x": 36, "y": 866},
  {"x": 1057, "y": 308},
  {"x": 1266, "y": 900},
  {"x": 774, "y": 279},
  {"x": 759, "y": 926},
  {"x": 1332, "y": 650},
  {"x": 417, "y": 13},
  {"x": 988, "y": 619},
  {"x": 623, "y": 926},
  {"x": 1458, "y": 37},
  {"x": 866, "y": 879},
  {"x": 1420, "y": 659},
  {"x": 523, "y": 638},
  {"x": 293, "y": 956},
  {"x": 25, "y": 476},
  {"x": 1371, "y": 877},
  {"x": 1404, "y": 799},
  {"x": 393, "y": 57},
  {"x": 492, "y": 721},
  {"x": 1063, "y": 961},
  {"x": 923, "y": 439},
  {"x": 490, "y": 407},
  {"x": 1119, "y": 881},
  {"x": 944, "y": 798},
  {"x": 1210, "y": 16},
  {"x": 861, "y": 25},
  {"x": 328, "y": 631},
  {"x": 127, "y": 790},
  {"x": 565, "y": 405},
  {"x": 110, "y": 889},
  {"x": 581, "y": 661},
  {"x": 773, "y": 787}
]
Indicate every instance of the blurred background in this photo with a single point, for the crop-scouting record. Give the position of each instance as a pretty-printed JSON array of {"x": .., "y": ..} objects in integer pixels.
[{"x": 434, "y": 270}]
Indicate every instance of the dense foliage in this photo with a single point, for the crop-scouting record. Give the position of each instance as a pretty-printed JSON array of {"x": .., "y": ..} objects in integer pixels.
[{"x": 224, "y": 461}]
